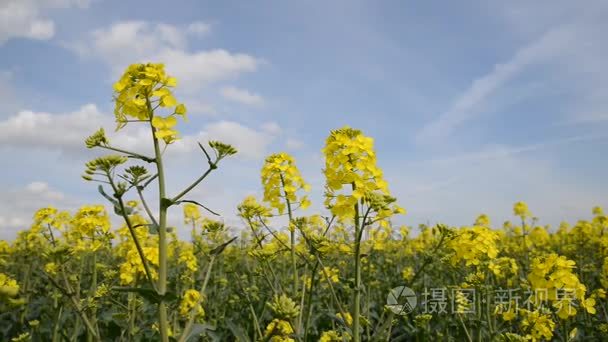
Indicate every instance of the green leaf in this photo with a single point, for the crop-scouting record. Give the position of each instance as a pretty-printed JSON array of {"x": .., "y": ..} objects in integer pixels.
[
  {"x": 165, "y": 203},
  {"x": 113, "y": 330},
  {"x": 146, "y": 292},
  {"x": 108, "y": 197},
  {"x": 237, "y": 331},
  {"x": 200, "y": 205},
  {"x": 219, "y": 249},
  {"x": 127, "y": 211},
  {"x": 197, "y": 330},
  {"x": 152, "y": 228}
]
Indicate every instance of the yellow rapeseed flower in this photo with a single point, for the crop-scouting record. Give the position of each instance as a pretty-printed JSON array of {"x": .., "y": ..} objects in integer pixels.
[
  {"x": 282, "y": 180},
  {"x": 350, "y": 160}
]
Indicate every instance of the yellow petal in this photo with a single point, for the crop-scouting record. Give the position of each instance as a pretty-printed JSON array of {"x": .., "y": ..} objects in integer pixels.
[
  {"x": 170, "y": 121},
  {"x": 119, "y": 86},
  {"x": 139, "y": 101},
  {"x": 161, "y": 92},
  {"x": 164, "y": 133},
  {"x": 158, "y": 122},
  {"x": 180, "y": 109},
  {"x": 171, "y": 82},
  {"x": 168, "y": 101}
]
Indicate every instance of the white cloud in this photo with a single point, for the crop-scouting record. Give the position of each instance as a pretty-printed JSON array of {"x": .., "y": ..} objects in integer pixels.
[
  {"x": 249, "y": 142},
  {"x": 127, "y": 41},
  {"x": 242, "y": 96},
  {"x": 46, "y": 130},
  {"x": 66, "y": 132},
  {"x": 43, "y": 189},
  {"x": 136, "y": 41},
  {"x": 25, "y": 18},
  {"x": 17, "y": 205},
  {"x": 203, "y": 67}
]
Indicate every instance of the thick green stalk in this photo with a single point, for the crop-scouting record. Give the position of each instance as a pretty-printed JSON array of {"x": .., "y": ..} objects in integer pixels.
[
  {"x": 163, "y": 324},
  {"x": 131, "y": 315},
  {"x": 292, "y": 231},
  {"x": 309, "y": 301},
  {"x": 162, "y": 246},
  {"x": 524, "y": 244},
  {"x": 464, "y": 327},
  {"x": 357, "y": 295},
  {"x": 56, "y": 327},
  {"x": 92, "y": 290}
]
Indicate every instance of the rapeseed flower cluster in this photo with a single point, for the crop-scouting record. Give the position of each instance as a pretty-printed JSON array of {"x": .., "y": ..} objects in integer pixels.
[
  {"x": 306, "y": 279},
  {"x": 281, "y": 181},
  {"x": 554, "y": 273},
  {"x": 474, "y": 245},
  {"x": 191, "y": 300},
  {"x": 140, "y": 89},
  {"x": 536, "y": 325},
  {"x": 350, "y": 160}
]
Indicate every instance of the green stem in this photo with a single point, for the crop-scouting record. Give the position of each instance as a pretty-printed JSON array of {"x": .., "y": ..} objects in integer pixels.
[
  {"x": 131, "y": 315},
  {"x": 331, "y": 287},
  {"x": 302, "y": 300},
  {"x": 78, "y": 308},
  {"x": 92, "y": 290},
  {"x": 357, "y": 290},
  {"x": 309, "y": 300},
  {"x": 57, "y": 325},
  {"x": 466, "y": 331},
  {"x": 163, "y": 324},
  {"x": 146, "y": 207},
  {"x": 140, "y": 250},
  {"x": 292, "y": 230},
  {"x": 190, "y": 323},
  {"x": 191, "y": 186},
  {"x": 132, "y": 154},
  {"x": 256, "y": 321},
  {"x": 524, "y": 244},
  {"x": 268, "y": 267}
]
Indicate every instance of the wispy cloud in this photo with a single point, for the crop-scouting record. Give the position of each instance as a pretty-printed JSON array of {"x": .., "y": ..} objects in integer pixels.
[
  {"x": 501, "y": 151},
  {"x": 467, "y": 105},
  {"x": 458, "y": 188}
]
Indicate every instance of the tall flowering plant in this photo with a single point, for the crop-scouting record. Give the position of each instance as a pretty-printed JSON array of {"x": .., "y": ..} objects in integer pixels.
[
  {"x": 356, "y": 192},
  {"x": 144, "y": 94}
]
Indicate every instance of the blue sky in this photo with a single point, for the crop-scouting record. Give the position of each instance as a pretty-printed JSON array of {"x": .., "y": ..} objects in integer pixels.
[{"x": 473, "y": 104}]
